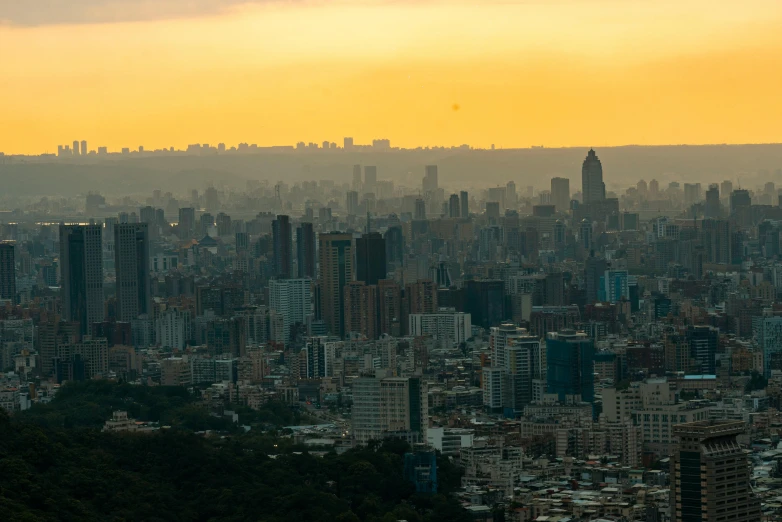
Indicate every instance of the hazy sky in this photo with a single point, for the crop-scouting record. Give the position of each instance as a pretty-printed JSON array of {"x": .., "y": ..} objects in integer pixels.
[{"x": 532, "y": 72}]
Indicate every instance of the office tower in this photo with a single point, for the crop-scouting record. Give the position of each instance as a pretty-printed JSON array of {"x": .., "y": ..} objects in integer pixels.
[
  {"x": 713, "y": 209},
  {"x": 223, "y": 223},
  {"x": 283, "y": 249},
  {"x": 186, "y": 226},
  {"x": 654, "y": 187},
  {"x": 7, "y": 271},
  {"x": 81, "y": 269},
  {"x": 726, "y": 188},
  {"x": 493, "y": 210},
  {"x": 395, "y": 246},
  {"x": 347, "y": 143},
  {"x": 449, "y": 327},
  {"x": 585, "y": 234},
  {"x": 485, "y": 302},
  {"x": 710, "y": 475},
  {"x": 205, "y": 223},
  {"x": 84, "y": 147},
  {"x": 516, "y": 354},
  {"x": 390, "y": 407},
  {"x": 292, "y": 299},
  {"x": 371, "y": 258},
  {"x": 559, "y": 233},
  {"x": 430, "y": 182},
  {"x": 173, "y": 329},
  {"x": 739, "y": 199},
  {"x": 453, "y": 206},
  {"x": 389, "y": 297},
  {"x": 352, "y": 202},
  {"x": 692, "y": 194},
  {"x": 465, "y": 204},
  {"x": 370, "y": 179},
  {"x": 75, "y": 147},
  {"x": 592, "y": 187},
  {"x": 335, "y": 255},
  {"x": 716, "y": 236},
  {"x": 147, "y": 215},
  {"x": 211, "y": 199},
  {"x": 356, "y": 178},
  {"x": 131, "y": 262},
  {"x": 420, "y": 209},
  {"x": 361, "y": 309},
  {"x": 305, "y": 250},
  {"x": 569, "y": 362},
  {"x": 560, "y": 194},
  {"x": 703, "y": 341},
  {"x": 614, "y": 286},
  {"x": 511, "y": 199},
  {"x": 594, "y": 270}
]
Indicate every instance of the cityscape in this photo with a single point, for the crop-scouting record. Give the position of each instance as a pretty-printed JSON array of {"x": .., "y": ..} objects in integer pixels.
[{"x": 390, "y": 261}]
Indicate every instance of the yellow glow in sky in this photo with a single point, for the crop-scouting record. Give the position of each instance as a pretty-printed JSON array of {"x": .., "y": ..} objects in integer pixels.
[{"x": 554, "y": 73}]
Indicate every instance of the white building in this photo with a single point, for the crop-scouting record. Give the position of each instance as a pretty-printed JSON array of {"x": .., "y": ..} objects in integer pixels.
[
  {"x": 455, "y": 327},
  {"x": 449, "y": 441},
  {"x": 292, "y": 299},
  {"x": 390, "y": 407},
  {"x": 173, "y": 329}
]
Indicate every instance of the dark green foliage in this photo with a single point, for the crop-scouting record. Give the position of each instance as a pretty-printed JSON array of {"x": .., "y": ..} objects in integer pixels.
[{"x": 51, "y": 473}]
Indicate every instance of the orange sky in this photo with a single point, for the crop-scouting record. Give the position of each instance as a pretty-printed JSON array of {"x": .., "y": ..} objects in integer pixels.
[{"x": 534, "y": 72}]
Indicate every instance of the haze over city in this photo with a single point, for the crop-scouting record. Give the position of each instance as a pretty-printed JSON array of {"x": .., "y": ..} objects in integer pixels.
[{"x": 391, "y": 260}]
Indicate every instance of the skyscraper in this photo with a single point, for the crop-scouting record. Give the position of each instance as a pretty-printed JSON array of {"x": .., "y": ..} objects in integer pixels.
[
  {"x": 186, "y": 227},
  {"x": 420, "y": 209},
  {"x": 453, "y": 206},
  {"x": 560, "y": 194},
  {"x": 713, "y": 208},
  {"x": 592, "y": 187},
  {"x": 336, "y": 271},
  {"x": 283, "y": 249},
  {"x": 291, "y": 298},
  {"x": 356, "y": 178},
  {"x": 81, "y": 269},
  {"x": 305, "y": 250},
  {"x": 361, "y": 309},
  {"x": 370, "y": 179},
  {"x": 569, "y": 362},
  {"x": 710, "y": 475},
  {"x": 7, "y": 271},
  {"x": 371, "y": 258},
  {"x": 352, "y": 202},
  {"x": 75, "y": 147},
  {"x": 430, "y": 183},
  {"x": 131, "y": 262},
  {"x": 465, "y": 203},
  {"x": 83, "y": 147},
  {"x": 395, "y": 246}
]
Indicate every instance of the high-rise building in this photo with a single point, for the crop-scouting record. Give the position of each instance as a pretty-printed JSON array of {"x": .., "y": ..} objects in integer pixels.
[
  {"x": 335, "y": 254},
  {"x": 395, "y": 246},
  {"x": 84, "y": 147},
  {"x": 465, "y": 204},
  {"x": 739, "y": 199},
  {"x": 447, "y": 326},
  {"x": 361, "y": 309},
  {"x": 390, "y": 407},
  {"x": 430, "y": 183},
  {"x": 356, "y": 178},
  {"x": 713, "y": 208},
  {"x": 7, "y": 271},
  {"x": 420, "y": 209},
  {"x": 370, "y": 179},
  {"x": 81, "y": 269},
  {"x": 485, "y": 302},
  {"x": 352, "y": 202},
  {"x": 560, "y": 194},
  {"x": 283, "y": 249},
  {"x": 716, "y": 235},
  {"x": 592, "y": 187},
  {"x": 291, "y": 298},
  {"x": 186, "y": 226},
  {"x": 453, "y": 206},
  {"x": 371, "y": 258},
  {"x": 131, "y": 263},
  {"x": 710, "y": 474},
  {"x": 305, "y": 250},
  {"x": 389, "y": 297},
  {"x": 569, "y": 362},
  {"x": 703, "y": 341},
  {"x": 594, "y": 270},
  {"x": 75, "y": 147},
  {"x": 692, "y": 194}
]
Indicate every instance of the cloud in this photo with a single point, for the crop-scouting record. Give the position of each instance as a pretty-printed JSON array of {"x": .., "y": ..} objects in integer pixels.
[{"x": 60, "y": 12}]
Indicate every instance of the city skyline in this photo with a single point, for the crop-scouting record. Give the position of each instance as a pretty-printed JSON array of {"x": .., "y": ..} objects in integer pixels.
[{"x": 503, "y": 73}]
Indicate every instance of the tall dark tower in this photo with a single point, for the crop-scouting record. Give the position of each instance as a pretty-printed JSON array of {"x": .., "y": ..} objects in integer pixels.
[
  {"x": 7, "y": 271},
  {"x": 305, "y": 250},
  {"x": 131, "y": 262},
  {"x": 283, "y": 249},
  {"x": 453, "y": 206},
  {"x": 335, "y": 253},
  {"x": 395, "y": 246},
  {"x": 81, "y": 269},
  {"x": 592, "y": 187},
  {"x": 465, "y": 204},
  {"x": 371, "y": 258}
]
